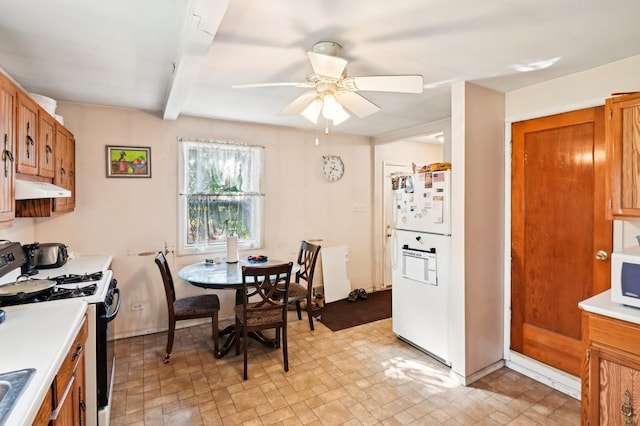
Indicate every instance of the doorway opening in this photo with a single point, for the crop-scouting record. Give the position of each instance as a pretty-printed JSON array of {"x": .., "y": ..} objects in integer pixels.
[{"x": 397, "y": 157}]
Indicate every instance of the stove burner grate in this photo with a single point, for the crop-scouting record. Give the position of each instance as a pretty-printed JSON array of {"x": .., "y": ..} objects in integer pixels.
[
  {"x": 61, "y": 293},
  {"x": 77, "y": 278},
  {"x": 55, "y": 293}
]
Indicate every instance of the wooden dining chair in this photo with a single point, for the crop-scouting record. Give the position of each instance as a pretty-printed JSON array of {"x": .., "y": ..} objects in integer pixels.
[
  {"x": 264, "y": 306},
  {"x": 203, "y": 306},
  {"x": 302, "y": 288}
]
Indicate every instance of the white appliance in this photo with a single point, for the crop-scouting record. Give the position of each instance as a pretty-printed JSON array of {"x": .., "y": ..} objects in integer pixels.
[
  {"x": 77, "y": 274},
  {"x": 625, "y": 277},
  {"x": 420, "y": 261}
]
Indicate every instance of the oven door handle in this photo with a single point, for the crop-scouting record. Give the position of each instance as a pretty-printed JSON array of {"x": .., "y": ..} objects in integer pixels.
[{"x": 110, "y": 316}]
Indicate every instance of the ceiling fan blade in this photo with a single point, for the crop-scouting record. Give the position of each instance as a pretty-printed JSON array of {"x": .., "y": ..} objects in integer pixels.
[
  {"x": 299, "y": 104},
  {"x": 277, "y": 84},
  {"x": 357, "y": 104},
  {"x": 390, "y": 83},
  {"x": 328, "y": 66}
]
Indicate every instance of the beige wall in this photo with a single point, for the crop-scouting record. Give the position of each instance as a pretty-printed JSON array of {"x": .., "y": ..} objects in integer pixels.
[
  {"x": 478, "y": 190},
  {"x": 576, "y": 91},
  {"x": 125, "y": 217}
]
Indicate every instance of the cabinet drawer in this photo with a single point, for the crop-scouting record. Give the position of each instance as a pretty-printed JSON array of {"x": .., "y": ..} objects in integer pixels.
[
  {"x": 70, "y": 362},
  {"x": 614, "y": 333}
]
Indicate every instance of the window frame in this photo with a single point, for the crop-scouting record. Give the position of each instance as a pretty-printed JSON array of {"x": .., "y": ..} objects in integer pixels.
[{"x": 218, "y": 248}]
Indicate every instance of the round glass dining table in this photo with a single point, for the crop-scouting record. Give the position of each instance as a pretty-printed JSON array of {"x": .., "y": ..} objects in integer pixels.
[
  {"x": 223, "y": 275},
  {"x": 228, "y": 276}
]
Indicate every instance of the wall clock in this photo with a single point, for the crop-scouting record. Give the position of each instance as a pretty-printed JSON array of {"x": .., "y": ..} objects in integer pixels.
[{"x": 332, "y": 167}]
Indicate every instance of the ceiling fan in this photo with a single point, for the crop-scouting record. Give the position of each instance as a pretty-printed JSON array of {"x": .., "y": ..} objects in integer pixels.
[{"x": 333, "y": 92}]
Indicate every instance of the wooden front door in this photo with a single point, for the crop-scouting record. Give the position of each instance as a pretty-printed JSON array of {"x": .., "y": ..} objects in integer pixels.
[{"x": 558, "y": 225}]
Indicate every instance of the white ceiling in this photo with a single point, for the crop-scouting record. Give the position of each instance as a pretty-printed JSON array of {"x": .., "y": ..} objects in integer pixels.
[{"x": 181, "y": 57}]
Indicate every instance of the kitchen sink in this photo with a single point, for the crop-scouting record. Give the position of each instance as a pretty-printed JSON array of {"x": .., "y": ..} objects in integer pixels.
[{"x": 12, "y": 384}]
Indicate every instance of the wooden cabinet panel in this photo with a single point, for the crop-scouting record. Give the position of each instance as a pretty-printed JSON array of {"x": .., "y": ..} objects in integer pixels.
[
  {"x": 46, "y": 145},
  {"x": 27, "y": 151},
  {"x": 46, "y": 409},
  {"x": 8, "y": 102},
  {"x": 623, "y": 152},
  {"x": 619, "y": 387},
  {"x": 611, "y": 371},
  {"x": 65, "y": 173},
  {"x": 70, "y": 362},
  {"x": 69, "y": 385}
]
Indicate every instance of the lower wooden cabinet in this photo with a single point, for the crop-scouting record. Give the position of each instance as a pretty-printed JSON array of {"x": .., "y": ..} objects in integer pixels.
[
  {"x": 46, "y": 409},
  {"x": 611, "y": 371},
  {"x": 64, "y": 404}
]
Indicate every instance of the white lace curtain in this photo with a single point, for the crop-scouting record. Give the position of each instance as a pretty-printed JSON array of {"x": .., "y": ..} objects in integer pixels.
[{"x": 222, "y": 191}]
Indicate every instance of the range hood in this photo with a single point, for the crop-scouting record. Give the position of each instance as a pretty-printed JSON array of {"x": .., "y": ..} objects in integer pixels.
[{"x": 29, "y": 190}]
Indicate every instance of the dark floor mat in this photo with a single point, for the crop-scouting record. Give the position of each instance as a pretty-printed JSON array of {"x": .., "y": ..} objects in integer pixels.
[{"x": 342, "y": 314}]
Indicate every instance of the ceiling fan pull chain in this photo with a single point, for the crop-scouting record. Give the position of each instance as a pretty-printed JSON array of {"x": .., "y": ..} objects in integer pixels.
[{"x": 317, "y": 140}]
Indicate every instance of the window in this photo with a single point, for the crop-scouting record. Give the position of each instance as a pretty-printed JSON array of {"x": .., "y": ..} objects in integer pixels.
[{"x": 220, "y": 195}]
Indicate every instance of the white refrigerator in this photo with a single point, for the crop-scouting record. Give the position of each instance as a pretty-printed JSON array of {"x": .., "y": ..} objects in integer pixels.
[{"x": 420, "y": 261}]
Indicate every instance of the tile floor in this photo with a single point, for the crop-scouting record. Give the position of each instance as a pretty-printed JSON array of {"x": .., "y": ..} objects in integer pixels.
[{"x": 359, "y": 376}]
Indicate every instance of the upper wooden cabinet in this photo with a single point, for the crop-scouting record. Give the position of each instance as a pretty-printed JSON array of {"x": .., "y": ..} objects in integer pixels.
[
  {"x": 8, "y": 99},
  {"x": 33, "y": 146},
  {"x": 623, "y": 152},
  {"x": 35, "y": 138},
  {"x": 65, "y": 173},
  {"x": 46, "y": 145},
  {"x": 27, "y": 151}
]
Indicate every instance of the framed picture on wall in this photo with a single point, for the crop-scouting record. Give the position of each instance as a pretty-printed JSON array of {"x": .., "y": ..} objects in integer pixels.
[{"x": 128, "y": 161}]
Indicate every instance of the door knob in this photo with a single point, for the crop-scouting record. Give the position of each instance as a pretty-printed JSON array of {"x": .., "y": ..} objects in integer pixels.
[{"x": 601, "y": 255}]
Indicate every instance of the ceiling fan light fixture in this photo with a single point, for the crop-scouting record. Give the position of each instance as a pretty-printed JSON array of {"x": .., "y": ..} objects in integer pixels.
[
  {"x": 312, "y": 111},
  {"x": 333, "y": 110},
  {"x": 331, "y": 106},
  {"x": 340, "y": 115}
]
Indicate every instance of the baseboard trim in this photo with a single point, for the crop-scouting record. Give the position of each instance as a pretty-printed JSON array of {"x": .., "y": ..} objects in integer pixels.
[
  {"x": 467, "y": 380},
  {"x": 180, "y": 324},
  {"x": 545, "y": 374}
]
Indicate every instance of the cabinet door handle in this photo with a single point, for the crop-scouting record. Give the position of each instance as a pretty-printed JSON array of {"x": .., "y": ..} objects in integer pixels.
[
  {"x": 626, "y": 409},
  {"x": 54, "y": 415},
  {"x": 30, "y": 140},
  {"x": 77, "y": 353},
  {"x": 6, "y": 155},
  {"x": 48, "y": 150}
]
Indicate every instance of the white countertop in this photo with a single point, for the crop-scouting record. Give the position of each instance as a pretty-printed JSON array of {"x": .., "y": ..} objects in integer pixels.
[
  {"x": 79, "y": 265},
  {"x": 37, "y": 335},
  {"x": 76, "y": 265},
  {"x": 601, "y": 304}
]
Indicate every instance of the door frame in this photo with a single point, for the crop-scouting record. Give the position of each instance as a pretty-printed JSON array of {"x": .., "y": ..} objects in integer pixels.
[
  {"x": 556, "y": 379},
  {"x": 529, "y": 367},
  {"x": 388, "y": 167}
]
